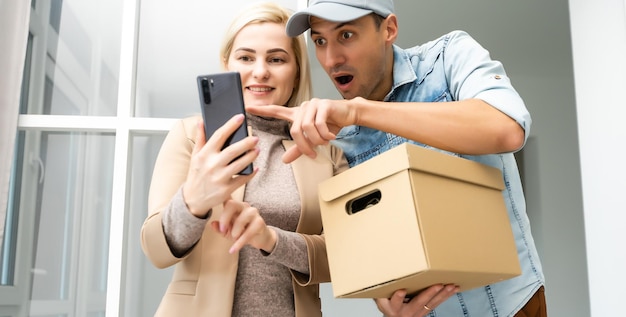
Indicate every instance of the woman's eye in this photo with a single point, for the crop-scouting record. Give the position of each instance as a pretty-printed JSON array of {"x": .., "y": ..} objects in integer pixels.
[
  {"x": 245, "y": 58},
  {"x": 346, "y": 35},
  {"x": 277, "y": 60}
]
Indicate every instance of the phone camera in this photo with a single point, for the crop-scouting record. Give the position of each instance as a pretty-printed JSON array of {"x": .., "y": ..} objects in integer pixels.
[{"x": 206, "y": 92}]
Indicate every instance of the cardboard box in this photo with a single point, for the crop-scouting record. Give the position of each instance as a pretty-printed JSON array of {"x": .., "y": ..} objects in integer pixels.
[{"x": 413, "y": 217}]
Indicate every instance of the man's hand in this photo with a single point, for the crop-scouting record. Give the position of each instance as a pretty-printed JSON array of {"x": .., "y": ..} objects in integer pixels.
[
  {"x": 418, "y": 306},
  {"x": 313, "y": 123}
]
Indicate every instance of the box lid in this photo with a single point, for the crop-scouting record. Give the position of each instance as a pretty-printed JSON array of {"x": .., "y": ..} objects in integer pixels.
[{"x": 410, "y": 156}]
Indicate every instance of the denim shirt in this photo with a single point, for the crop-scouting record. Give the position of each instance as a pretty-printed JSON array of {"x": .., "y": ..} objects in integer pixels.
[{"x": 456, "y": 67}]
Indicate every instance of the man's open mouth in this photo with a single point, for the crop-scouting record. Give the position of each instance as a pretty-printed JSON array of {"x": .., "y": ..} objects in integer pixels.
[{"x": 342, "y": 80}]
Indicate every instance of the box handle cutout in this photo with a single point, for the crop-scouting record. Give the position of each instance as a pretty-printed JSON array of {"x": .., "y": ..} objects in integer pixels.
[{"x": 362, "y": 202}]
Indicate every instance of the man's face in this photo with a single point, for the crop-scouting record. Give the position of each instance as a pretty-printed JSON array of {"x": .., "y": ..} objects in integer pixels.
[{"x": 354, "y": 55}]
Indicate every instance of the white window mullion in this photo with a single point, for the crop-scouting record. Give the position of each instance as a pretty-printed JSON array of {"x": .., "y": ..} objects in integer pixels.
[
  {"x": 92, "y": 123},
  {"x": 120, "y": 164},
  {"x": 67, "y": 123}
]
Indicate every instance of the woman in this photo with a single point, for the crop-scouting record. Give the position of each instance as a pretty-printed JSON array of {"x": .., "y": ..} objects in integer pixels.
[{"x": 243, "y": 245}]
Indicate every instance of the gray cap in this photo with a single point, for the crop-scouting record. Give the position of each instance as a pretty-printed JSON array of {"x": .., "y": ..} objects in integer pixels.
[{"x": 336, "y": 11}]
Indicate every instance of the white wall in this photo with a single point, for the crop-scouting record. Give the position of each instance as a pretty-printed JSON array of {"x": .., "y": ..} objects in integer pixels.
[{"x": 599, "y": 51}]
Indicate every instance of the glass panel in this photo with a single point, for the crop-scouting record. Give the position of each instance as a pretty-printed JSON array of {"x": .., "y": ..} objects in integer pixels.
[
  {"x": 27, "y": 74},
  {"x": 66, "y": 182},
  {"x": 144, "y": 284},
  {"x": 8, "y": 232},
  {"x": 79, "y": 49},
  {"x": 9, "y": 220},
  {"x": 171, "y": 55}
]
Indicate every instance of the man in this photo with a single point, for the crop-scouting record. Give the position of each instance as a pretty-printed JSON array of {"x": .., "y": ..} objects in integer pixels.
[{"x": 446, "y": 94}]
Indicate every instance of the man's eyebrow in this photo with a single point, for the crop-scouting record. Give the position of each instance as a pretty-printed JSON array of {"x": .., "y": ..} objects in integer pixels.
[{"x": 339, "y": 26}]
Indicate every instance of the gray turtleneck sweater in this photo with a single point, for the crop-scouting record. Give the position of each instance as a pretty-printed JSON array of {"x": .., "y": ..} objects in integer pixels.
[{"x": 263, "y": 286}]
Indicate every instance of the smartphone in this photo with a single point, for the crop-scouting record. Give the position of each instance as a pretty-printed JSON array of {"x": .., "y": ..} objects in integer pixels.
[{"x": 221, "y": 98}]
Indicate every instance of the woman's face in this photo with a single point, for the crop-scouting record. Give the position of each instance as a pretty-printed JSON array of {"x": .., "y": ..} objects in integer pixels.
[{"x": 263, "y": 56}]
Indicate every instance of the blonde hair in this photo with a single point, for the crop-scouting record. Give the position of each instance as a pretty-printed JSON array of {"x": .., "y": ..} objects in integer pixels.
[{"x": 272, "y": 13}]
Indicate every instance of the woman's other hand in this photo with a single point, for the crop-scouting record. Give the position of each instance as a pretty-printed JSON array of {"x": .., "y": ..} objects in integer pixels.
[{"x": 244, "y": 225}]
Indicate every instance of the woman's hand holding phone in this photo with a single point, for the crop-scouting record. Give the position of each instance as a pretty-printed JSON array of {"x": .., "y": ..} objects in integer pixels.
[{"x": 213, "y": 173}]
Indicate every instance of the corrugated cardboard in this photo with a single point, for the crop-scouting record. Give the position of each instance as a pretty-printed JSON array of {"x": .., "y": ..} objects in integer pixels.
[{"x": 433, "y": 218}]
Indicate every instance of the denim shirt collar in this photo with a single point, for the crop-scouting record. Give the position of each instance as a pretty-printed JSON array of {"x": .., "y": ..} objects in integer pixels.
[{"x": 402, "y": 70}]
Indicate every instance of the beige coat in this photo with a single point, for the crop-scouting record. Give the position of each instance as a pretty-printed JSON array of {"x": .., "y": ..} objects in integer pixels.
[{"x": 203, "y": 282}]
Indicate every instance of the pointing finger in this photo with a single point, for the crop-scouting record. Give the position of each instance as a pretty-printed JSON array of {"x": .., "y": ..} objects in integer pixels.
[{"x": 273, "y": 111}]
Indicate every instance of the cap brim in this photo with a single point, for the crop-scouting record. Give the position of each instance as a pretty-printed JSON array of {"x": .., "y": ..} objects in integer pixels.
[{"x": 299, "y": 21}]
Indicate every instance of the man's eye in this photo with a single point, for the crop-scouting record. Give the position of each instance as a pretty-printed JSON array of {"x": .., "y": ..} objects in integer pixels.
[
  {"x": 346, "y": 35},
  {"x": 319, "y": 42}
]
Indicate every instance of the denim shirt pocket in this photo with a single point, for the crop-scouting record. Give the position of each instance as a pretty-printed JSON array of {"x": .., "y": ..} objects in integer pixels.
[{"x": 348, "y": 132}]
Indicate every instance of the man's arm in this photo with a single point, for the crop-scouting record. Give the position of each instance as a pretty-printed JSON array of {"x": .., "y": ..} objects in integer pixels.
[{"x": 469, "y": 127}]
